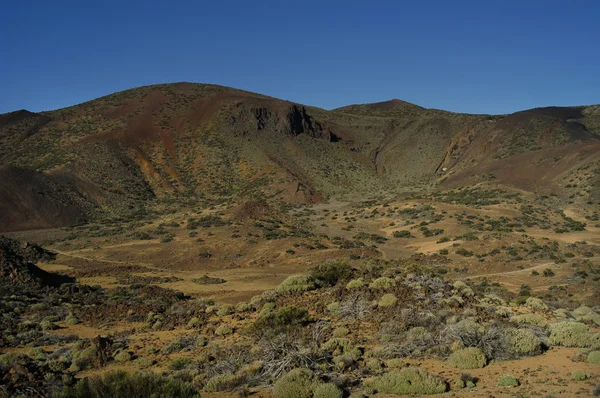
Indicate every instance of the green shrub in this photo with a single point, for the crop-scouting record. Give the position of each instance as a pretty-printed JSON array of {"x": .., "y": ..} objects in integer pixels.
[
  {"x": 579, "y": 375},
  {"x": 407, "y": 381},
  {"x": 342, "y": 347},
  {"x": 225, "y": 309},
  {"x": 342, "y": 331},
  {"x": 10, "y": 359},
  {"x": 333, "y": 307},
  {"x": 387, "y": 300},
  {"x": 530, "y": 319},
  {"x": 522, "y": 342},
  {"x": 468, "y": 358},
  {"x": 194, "y": 323},
  {"x": 290, "y": 316},
  {"x": 594, "y": 357},
  {"x": 123, "y": 356},
  {"x": 331, "y": 272},
  {"x": 296, "y": 284},
  {"x": 382, "y": 283},
  {"x": 298, "y": 383},
  {"x": 536, "y": 304},
  {"x": 37, "y": 353},
  {"x": 120, "y": 384},
  {"x": 355, "y": 284},
  {"x": 71, "y": 320},
  {"x": 243, "y": 307},
  {"x": 327, "y": 390},
  {"x": 224, "y": 330},
  {"x": 572, "y": 334},
  {"x": 402, "y": 234},
  {"x": 180, "y": 363},
  {"x": 222, "y": 382},
  {"x": 508, "y": 381}
]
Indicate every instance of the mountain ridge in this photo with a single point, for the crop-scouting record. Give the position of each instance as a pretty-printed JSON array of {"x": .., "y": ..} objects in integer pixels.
[{"x": 203, "y": 144}]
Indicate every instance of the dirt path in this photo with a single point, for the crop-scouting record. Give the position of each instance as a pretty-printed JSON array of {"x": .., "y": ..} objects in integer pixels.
[{"x": 507, "y": 273}]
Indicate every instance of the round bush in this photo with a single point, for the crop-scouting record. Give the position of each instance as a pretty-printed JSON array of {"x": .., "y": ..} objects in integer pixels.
[
  {"x": 508, "y": 381},
  {"x": 468, "y": 358},
  {"x": 536, "y": 304},
  {"x": 570, "y": 334},
  {"x": 355, "y": 284},
  {"x": 224, "y": 330},
  {"x": 407, "y": 381},
  {"x": 382, "y": 283},
  {"x": 387, "y": 300},
  {"x": 123, "y": 356},
  {"x": 327, "y": 390},
  {"x": 522, "y": 342},
  {"x": 298, "y": 383},
  {"x": 296, "y": 284},
  {"x": 594, "y": 357}
]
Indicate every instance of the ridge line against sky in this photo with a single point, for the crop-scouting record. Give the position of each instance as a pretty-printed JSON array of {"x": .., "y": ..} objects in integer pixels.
[{"x": 464, "y": 56}]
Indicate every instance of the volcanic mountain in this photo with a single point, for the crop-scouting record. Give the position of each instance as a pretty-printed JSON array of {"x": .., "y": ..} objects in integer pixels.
[{"x": 201, "y": 144}]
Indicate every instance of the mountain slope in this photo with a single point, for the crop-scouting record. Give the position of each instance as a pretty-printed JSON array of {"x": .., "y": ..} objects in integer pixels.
[{"x": 205, "y": 144}]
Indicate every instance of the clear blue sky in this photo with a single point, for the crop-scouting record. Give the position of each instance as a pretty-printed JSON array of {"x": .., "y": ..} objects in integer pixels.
[{"x": 466, "y": 56}]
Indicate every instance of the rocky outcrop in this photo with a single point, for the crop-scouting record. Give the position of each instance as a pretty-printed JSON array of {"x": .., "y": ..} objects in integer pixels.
[{"x": 17, "y": 264}]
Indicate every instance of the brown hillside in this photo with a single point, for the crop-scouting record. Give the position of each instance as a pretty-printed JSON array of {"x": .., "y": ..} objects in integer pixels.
[{"x": 206, "y": 144}]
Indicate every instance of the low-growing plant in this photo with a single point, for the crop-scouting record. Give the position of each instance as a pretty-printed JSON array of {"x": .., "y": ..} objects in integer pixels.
[
  {"x": 387, "y": 300},
  {"x": 331, "y": 272},
  {"x": 468, "y": 358},
  {"x": 579, "y": 375},
  {"x": 407, "y": 381},
  {"x": 594, "y": 357},
  {"x": 121, "y": 384},
  {"x": 508, "y": 381},
  {"x": 298, "y": 383},
  {"x": 296, "y": 284}
]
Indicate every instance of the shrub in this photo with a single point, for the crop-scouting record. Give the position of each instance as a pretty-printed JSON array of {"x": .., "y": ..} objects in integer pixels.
[
  {"x": 71, "y": 320},
  {"x": 120, "y": 384},
  {"x": 298, "y": 383},
  {"x": 223, "y": 330},
  {"x": 330, "y": 273},
  {"x": 522, "y": 342},
  {"x": 123, "y": 356},
  {"x": 333, "y": 307},
  {"x": 407, "y": 381},
  {"x": 536, "y": 304},
  {"x": 355, "y": 284},
  {"x": 296, "y": 284},
  {"x": 468, "y": 358},
  {"x": 579, "y": 375},
  {"x": 342, "y": 347},
  {"x": 180, "y": 363},
  {"x": 225, "y": 309},
  {"x": 594, "y": 357},
  {"x": 570, "y": 334},
  {"x": 342, "y": 331},
  {"x": 222, "y": 382},
  {"x": 194, "y": 323},
  {"x": 327, "y": 390},
  {"x": 382, "y": 283},
  {"x": 402, "y": 234},
  {"x": 37, "y": 353},
  {"x": 243, "y": 307},
  {"x": 289, "y": 316},
  {"x": 508, "y": 381},
  {"x": 387, "y": 300},
  {"x": 10, "y": 359}
]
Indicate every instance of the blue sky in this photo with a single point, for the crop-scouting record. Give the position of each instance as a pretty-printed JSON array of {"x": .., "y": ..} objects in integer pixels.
[{"x": 464, "y": 56}]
